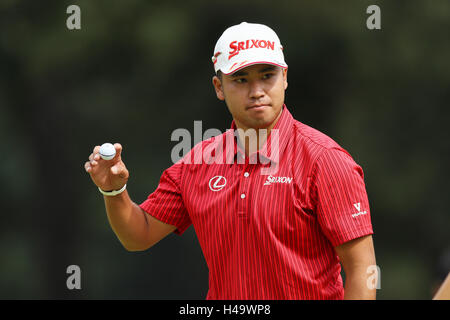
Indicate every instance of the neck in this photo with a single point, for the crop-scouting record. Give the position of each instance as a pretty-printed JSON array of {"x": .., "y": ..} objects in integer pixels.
[{"x": 253, "y": 139}]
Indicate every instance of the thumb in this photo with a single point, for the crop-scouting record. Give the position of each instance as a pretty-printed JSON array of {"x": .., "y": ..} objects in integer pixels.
[
  {"x": 119, "y": 170},
  {"x": 118, "y": 148}
]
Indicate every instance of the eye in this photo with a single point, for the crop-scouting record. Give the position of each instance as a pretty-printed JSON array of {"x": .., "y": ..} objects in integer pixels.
[
  {"x": 268, "y": 76},
  {"x": 240, "y": 80}
]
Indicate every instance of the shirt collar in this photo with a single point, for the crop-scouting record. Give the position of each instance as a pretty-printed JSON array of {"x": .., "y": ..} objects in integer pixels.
[{"x": 276, "y": 142}]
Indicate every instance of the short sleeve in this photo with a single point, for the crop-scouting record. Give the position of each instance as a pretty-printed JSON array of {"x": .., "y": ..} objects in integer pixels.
[
  {"x": 340, "y": 197},
  {"x": 166, "y": 203}
]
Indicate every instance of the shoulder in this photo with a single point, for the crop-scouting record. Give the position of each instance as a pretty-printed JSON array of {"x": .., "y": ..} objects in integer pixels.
[
  {"x": 318, "y": 147},
  {"x": 313, "y": 138}
]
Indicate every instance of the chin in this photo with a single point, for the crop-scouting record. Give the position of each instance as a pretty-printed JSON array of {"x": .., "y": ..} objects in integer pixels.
[{"x": 263, "y": 122}]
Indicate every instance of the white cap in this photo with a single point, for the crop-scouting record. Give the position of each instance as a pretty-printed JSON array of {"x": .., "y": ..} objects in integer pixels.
[{"x": 247, "y": 44}]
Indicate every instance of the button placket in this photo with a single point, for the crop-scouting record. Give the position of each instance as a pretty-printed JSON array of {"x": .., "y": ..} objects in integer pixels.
[{"x": 243, "y": 191}]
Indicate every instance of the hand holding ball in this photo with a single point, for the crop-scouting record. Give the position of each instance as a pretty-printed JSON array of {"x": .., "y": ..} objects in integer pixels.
[
  {"x": 107, "y": 151},
  {"x": 110, "y": 177}
]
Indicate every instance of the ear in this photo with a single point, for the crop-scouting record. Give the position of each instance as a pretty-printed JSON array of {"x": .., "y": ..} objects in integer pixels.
[
  {"x": 285, "y": 78},
  {"x": 218, "y": 87}
]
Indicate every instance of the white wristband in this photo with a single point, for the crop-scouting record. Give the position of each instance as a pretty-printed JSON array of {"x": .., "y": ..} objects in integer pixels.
[{"x": 114, "y": 192}]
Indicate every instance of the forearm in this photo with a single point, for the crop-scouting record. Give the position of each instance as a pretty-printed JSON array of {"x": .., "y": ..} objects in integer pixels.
[
  {"x": 357, "y": 287},
  {"x": 128, "y": 221}
]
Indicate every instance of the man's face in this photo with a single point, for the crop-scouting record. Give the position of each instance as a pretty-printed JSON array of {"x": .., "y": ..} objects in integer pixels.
[{"x": 254, "y": 95}]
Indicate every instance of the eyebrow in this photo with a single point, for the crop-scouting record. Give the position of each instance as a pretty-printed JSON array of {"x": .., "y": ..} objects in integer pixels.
[{"x": 243, "y": 73}]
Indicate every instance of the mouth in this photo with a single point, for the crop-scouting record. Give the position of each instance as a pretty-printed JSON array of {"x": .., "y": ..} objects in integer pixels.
[{"x": 257, "y": 107}]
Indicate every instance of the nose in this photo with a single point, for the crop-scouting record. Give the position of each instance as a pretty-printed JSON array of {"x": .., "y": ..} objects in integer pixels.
[{"x": 256, "y": 90}]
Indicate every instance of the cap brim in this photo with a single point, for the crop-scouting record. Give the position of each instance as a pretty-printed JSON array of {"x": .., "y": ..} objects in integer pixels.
[{"x": 253, "y": 63}]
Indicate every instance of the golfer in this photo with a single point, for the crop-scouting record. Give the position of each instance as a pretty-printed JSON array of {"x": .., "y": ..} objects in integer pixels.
[{"x": 278, "y": 207}]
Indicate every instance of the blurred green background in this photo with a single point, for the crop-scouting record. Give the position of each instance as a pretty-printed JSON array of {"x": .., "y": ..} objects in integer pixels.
[{"x": 139, "y": 69}]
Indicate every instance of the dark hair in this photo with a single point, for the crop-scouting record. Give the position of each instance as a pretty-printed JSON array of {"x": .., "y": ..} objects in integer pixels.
[{"x": 219, "y": 74}]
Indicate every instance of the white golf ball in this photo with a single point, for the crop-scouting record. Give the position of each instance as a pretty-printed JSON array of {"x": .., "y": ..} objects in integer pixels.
[{"x": 107, "y": 151}]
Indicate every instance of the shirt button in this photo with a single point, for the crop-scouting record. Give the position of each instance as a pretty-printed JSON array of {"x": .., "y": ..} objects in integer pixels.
[
  {"x": 246, "y": 174},
  {"x": 242, "y": 196}
]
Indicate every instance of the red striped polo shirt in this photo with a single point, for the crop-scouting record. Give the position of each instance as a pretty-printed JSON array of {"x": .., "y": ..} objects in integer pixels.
[{"x": 268, "y": 235}]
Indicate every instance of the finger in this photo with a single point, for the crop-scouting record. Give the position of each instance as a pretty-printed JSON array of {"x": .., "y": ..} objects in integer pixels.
[
  {"x": 94, "y": 163},
  {"x": 95, "y": 153},
  {"x": 118, "y": 148},
  {"x": 87, "y": 166},
  {"x": 94, "y": 157}
]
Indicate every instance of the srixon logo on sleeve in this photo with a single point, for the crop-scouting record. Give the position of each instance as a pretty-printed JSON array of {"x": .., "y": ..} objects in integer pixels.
[{"x": 249, "y": 44}]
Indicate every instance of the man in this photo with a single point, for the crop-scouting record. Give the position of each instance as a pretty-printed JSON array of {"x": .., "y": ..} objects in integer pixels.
[{"x": 279, "y": 211}]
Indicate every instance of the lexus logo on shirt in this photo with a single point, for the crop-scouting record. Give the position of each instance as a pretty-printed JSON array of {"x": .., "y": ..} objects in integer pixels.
[{"x": 217, "y": 183}]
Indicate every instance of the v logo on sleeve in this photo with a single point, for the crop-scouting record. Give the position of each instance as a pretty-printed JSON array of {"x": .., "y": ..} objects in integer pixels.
[{"x": 358, "y": 207}]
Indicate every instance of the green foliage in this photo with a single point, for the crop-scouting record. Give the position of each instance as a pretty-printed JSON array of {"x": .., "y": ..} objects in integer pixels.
[{"x": 139, "y": 69}]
